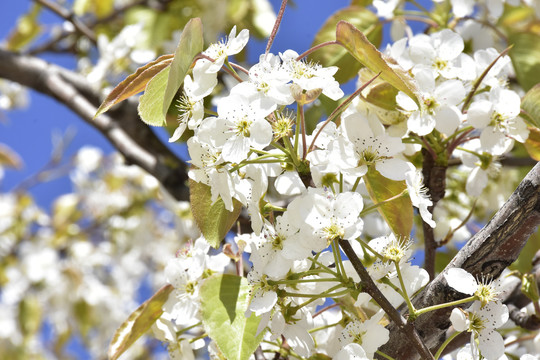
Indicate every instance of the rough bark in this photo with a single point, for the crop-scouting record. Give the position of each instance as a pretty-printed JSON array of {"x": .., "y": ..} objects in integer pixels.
[{"x": 486, "y": 254}]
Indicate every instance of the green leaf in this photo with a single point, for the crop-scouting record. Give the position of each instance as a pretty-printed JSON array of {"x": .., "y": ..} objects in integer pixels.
[
  {"x": 224, "y": 301},
  {"x": 359, "y": 46},
  {"x": 336, "y": 55},
  {"x": 134, "y": 83},
  {"x": 213, "y": 219},
  {"x": 525, "y": 55},
  {"x": 138, "y": 322},
  {"x": 398, "y": 213},
  {"x": 530, "y": 104},
  {"x": 26, "y": 30},
  {"x": 151, "y": 102},
  {"x": 191, "y": 43}
]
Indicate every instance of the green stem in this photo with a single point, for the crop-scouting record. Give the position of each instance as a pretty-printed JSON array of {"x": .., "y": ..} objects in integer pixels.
[
  {"x": 292, "y": 151},
  {"x": 404, "y": 289},
  {"x": 442, "y": 306},
  {"x": 445, "y": 343},
  {"x": 379, "y": 204},
  {"x": 384, "y": 355},
  {"x": 323, "y": 327}
]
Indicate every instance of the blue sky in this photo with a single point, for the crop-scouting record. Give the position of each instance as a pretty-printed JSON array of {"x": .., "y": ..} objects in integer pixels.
[{"x": 29, "y": 131}]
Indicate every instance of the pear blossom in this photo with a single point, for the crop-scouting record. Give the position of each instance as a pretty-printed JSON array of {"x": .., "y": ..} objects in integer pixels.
[
  {"x": 369, "y": 334},
  {"x": 205, "y": 71},
  {"x": 439, "y": 109},
  {"x": 240, "y": 125},
  {"x": 325, "y": 217},
  {"x": 464, "y": 282},
  {"x": 441, "y": 54},
  {"x": 481, "y": 322},
  {"x": 191, "y": 109},
  {"x": 418, "y": 195},
  {"x": 268, "y": 79},
  {"x": 497, "y": 117},
  {"x": 371, "y": 146},
  {"x": 311, "y": 76}
]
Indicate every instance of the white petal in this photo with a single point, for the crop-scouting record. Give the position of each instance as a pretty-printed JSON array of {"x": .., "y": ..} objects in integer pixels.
[
  {"x": 447, "y": 119},
  {"x": 458, "y": 319},
  {"x": 479, "y": 114},
  {"x": 491, "y": 344},
  {"x": 289, "y": 183},
  {"x": 461, "y": 281},
  {"x": 393, "y": 169},
  {"x": 451, "y": 44},
  {"x": 178, "y": 132}
]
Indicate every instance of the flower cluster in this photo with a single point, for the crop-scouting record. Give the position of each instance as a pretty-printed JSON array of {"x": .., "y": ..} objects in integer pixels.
[{"x": 307, "y": 193}]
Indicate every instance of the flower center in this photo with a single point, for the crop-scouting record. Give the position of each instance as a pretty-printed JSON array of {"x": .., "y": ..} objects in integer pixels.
[{"x": 242, "y": 127}]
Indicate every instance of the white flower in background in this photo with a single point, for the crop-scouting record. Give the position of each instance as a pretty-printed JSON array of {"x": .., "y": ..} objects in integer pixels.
[
  {"x": 297, "y": 334},
  {"x": 481, "y": 322},
  {"x": 117, "y": 55},
  {"x": 497, "y": 117},
  {"x": 351, "y": 351},
  {"x": 418, "y": 195},
  {"x": 369, "y": 334},
  {"x": 311, "y": 76},
  {"x": 440, "y": 99},
  {"x": 498, "y": 75},
  {"x": 12, "y": 95},
  {"x": 483, "y": 165},
  {"x": 240, "y": 125}
]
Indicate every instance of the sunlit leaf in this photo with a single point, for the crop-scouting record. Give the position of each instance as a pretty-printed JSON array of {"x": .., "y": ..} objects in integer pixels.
[
  {"x": 138, "y": 322},
  {"x": 336, "y": 55},
  {"x": 359, "y": 46},
  {"x": 213, "y": 219},
  {"x": 134, "y": 83},
  {"x": 191, "y": 43},
  {"x": 26, "y": 30},
  {"x": 224, "y": 301},
  {"x": 151, "y": 102},
  {"x": 525, "y": 55},
  {"x": 531, "y": 106},
  {"x": 398, "y": 213},
  {"x": 533, "y": 143}
]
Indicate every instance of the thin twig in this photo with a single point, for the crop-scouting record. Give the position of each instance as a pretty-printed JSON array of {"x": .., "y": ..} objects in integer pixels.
[
  {"x": 69, "y": 16},
  {"x": 276, "y": 26}
]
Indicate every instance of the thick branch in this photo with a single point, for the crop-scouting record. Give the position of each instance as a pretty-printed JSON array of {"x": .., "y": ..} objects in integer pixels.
[
  {"x": 121, "y": 127},
  {"x": 486, "y": 254}
]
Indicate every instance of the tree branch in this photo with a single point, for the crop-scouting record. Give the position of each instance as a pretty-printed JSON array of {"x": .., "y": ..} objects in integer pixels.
[
  {"x": 486, "y": 255},
  {"x": 369, "y": 287},
  {"x": 121, "y": 126},
  {"x": 69, "y": 16}
]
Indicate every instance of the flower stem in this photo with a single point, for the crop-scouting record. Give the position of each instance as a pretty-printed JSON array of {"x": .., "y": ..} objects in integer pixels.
[
  {"x": 384, "y": 355},
  {"x": 412, "y": 310},
  {"x": 445, "y": 343},
  {"x": 442, "y": 306}
]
